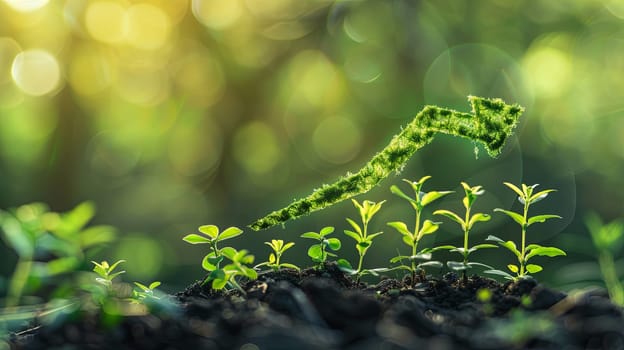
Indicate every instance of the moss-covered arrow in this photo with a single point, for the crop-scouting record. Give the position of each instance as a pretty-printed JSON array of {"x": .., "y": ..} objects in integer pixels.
[{"x": 491, "y": 122}]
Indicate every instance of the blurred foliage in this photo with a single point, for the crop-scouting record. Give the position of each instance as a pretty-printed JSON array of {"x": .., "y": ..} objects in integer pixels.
[{"x": 172, "y": 114}]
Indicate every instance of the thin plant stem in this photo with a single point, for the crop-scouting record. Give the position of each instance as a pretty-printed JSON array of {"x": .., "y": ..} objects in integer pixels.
[{"x": 18, "y": 281}]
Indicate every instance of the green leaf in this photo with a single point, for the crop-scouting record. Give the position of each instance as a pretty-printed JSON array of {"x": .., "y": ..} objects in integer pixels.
[
  {"x": 532, "y": 246},
  {"x": 513, "y": 268},
  {"x": 494, "y": 238},
  {"x": 312, "y": 235},
  {"x": 408, "y": 240},
  {"x": 478, "y": 217},
  {"x": 532, "y": 268},
  {"x": 545, "y": 251},
  {"x": 353, "y": 235},
  {"x": 249, "y": 272},
  {"x": 514, "y": 188},
  {"x": 421, "y": 256},
  {"x": 481, "y": 246},
  {"x": 326, "y": 230},
  {"x": 154, "y": 285},
  {"x": 500, "y": 273},
  {"x": 344, "y": 264},
  {"x": 399, "y": 258},
  {"x": 542, "y": 218},
  {"x": 97, "y": 235},
  {"x": 355, "y": 226},
  {"x": 316, "y": 253},
  {"x": 428, "y": 227},
  {"x": 19, "y": 240},
  {"x": 457, "y": 265},
  {"x": 196, "y": 239},
  {"x": 229, "y": 232},
  {"x": 432, "y": 196},
  {"x": 394, "y": 189},
  {"x": 435, "y": 264},
  {"x": 272, "y": 258},
  {"x": 449, "y": 214},
  {"x": 290, "y": 266},
  {"x": 370, "y": 237},
  {"x": 219, "y": 283},
  {"x": 211, "y": 231},
  {"x": 471, "y": 264},
  {"x": 333, "y": 243},
  {"x": 228, "y": 252},
  {"x": 210, "y": 262},
  {"x": 401, "y": 227},
  {"x": 287, "y": 246},
  {"x": 539, "y": 196},
  {"x": 515, "y": 216},
  {"x": 142, "y": 286}
]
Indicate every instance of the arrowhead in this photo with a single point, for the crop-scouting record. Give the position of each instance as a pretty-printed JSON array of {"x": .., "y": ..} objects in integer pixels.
[{"x": 495, "y": 121}]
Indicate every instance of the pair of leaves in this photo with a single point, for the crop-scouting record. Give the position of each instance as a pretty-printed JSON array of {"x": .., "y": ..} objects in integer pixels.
[
  {"x": 532, "y": 220},
  {"x": 320, "y": 235},
  {"x": 212, "y": 235},
  {"x": 362, "y": 243},
  {"x": 420, "y": 199},
  {"x": 526, "y": 195},
  {"x": 466, "y": 226},
  {"x": 428, "y": 227},
  {"x": 367, "y": 209}
]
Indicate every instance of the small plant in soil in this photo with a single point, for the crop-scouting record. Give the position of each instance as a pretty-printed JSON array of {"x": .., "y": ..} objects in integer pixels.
[
  {"x": 144, "y": 292},
  {"x": 319, "y": 251},
  {"x": 466, "y": 224},
  {"x": 221, "y": 277},
  {"x": 527, "y": 197},
  {"x": 362, "y": 237},
  {"x": 279, "y": 247},
  {"x": 608, "y": 238},
  {"x": 421, "y": 228}
]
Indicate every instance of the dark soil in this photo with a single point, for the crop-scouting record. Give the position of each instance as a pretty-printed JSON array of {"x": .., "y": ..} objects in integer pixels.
[{"x": 325, "y": 309}]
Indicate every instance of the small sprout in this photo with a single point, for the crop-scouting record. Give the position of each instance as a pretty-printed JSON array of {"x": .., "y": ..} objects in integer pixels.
[
  {"x": 237, "y": 268},
  {"x": 363, "y": 239},
  {"x": 105, "y": 271},
  {"x": 145, "y": 292},
  {"x": 220, "y": 277},
  {"x": 421, "y": 228},
  {"x": 279, "y": 248},
  {"x": 607, "y": 239},
  {"x": 526, "y": 252},
  {"x": 318, "y": 252},
  {"x": 466, "y": 224}
]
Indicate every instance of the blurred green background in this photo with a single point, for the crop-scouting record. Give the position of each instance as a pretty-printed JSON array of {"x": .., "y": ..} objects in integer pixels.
[{"x": 170, "y": 114}]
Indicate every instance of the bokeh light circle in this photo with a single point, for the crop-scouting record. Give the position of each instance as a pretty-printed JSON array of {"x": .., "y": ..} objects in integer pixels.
[
  {"x": 217, "y": 14},
  {"x": 26, "y": 5},
  {"x": 36, "y": 72},
  {"x": 106, "y": 21},
  {"x": 337, "y": 140}
]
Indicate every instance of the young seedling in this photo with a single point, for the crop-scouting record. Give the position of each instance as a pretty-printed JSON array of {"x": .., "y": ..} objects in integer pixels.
[
  {"x": 318, "y": 252},
  {"x": 105, "y": 271},
  {"x": 421, "y": 229},
  {"x": 526, "y": 252},
  {"x": 363, "y": 239},
  {"x": 237, "y": 268},
  {"x": 466, "y": 224},
  {"x": 212, "y": 261},
  {"x": 279, "y": 248},
  {"x": 144, "y": 292},
  {"x": 607, "y": 239}
]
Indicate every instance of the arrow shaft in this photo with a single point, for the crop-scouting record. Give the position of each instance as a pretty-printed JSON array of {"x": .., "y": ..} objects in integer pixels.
[{"x": 491, "y": 123}]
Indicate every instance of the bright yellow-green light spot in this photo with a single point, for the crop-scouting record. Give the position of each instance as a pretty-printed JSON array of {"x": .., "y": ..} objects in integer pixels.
[
  {"x": 217, "y": 14},
  {"x": 337, "y": 140},
  {"x": 315, "y": 79},
  {"x": 36, "y": 72},
  {"x": 549, "y": 70},
  {"x": 143, "y": 256},
  {"x": 26, "y": 5},
  {"x": 148, "y": 26},
  {"x": 256, "y": 148},
  {"x": 106, "y": 21}
]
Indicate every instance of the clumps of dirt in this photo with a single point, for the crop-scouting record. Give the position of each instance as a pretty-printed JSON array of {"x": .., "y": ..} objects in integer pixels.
[{"x": 327, "y": 309}]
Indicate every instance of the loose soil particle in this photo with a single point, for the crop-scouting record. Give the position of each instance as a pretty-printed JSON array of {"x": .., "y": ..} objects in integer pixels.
[{"x": 325, "y": 309}]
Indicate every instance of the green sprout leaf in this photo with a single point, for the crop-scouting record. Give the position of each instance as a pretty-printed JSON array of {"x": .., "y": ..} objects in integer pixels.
[
  {"x": 196, "y": 239},
  {"x": 532, "y": 268},
  {"x": 542, "y": 218},
  {"x": 515, "y": 216}
]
